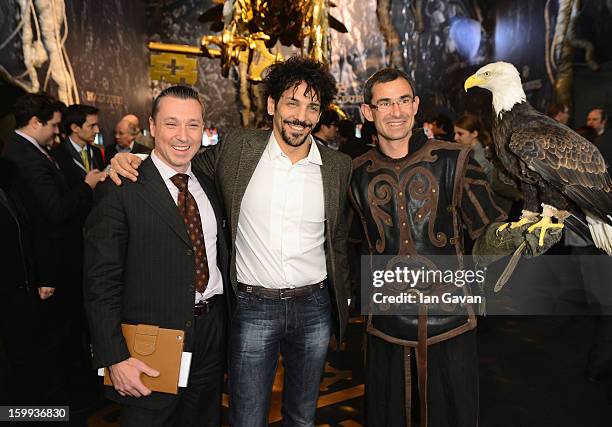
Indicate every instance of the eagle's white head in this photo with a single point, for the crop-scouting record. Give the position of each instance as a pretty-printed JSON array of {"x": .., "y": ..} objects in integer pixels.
[{"x": 504, "y": 82}]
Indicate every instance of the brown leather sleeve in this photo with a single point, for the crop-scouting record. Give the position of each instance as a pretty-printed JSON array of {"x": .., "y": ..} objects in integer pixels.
[{"x": 478, "y": 208}]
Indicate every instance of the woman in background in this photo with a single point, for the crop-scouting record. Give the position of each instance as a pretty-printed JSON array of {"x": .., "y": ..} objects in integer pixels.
[{"x": 469, "y": 131}]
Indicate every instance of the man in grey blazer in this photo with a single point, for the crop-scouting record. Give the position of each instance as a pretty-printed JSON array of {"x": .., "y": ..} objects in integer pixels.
[
  {"x": 156, "y": 254},
  {"x": 284, "y": 197}
]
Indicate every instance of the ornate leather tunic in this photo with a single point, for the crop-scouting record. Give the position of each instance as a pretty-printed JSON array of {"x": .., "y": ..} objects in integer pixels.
[{"x": 418, "y": 204}]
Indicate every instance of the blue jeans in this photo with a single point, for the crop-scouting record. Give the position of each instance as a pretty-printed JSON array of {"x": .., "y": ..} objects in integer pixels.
[{"x": 297, "y": 327}]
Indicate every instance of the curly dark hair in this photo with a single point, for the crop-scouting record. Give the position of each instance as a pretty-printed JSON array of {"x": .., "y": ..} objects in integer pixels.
[{"x": 297, "y": 70}]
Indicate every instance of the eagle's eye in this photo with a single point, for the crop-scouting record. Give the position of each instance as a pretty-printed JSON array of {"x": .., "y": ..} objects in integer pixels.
[{"x": 487, "y": 73}]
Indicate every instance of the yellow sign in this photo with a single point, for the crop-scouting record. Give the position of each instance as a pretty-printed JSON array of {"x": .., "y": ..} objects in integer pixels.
[{"x": 174, "y": 68}]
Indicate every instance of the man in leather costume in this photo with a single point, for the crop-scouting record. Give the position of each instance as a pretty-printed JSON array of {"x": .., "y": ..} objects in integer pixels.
[{"x": 413, "y": 197}]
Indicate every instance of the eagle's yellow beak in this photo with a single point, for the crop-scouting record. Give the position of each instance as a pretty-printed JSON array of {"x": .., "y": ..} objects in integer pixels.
[{"x": 472, "y": 81}]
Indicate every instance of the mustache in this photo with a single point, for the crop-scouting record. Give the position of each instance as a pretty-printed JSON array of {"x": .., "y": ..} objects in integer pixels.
[{"x": 298, "y": 123}]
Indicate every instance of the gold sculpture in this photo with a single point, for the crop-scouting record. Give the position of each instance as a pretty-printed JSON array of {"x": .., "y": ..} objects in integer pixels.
[
  {"x": 250, "y": 32},
  {"x": 559, "y": 50}
]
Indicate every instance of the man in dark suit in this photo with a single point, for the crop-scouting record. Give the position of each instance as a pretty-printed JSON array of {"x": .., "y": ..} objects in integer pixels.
[
  {"x": 285, "y": 195},
  {"x": 51, "y": 206},
  {"x": 155, "y": 253},
  {"x": 126, "y": 133},
  {"x": 77, "y": 155},
  {"x": 17, "y": 325}
]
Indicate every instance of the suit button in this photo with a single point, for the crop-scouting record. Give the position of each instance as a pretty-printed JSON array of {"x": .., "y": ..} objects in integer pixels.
[
  {"x": 189, "y": 252},
  {"x": 188, "y": 324}
]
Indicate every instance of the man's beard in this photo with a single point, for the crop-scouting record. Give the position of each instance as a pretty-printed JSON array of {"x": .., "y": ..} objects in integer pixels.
[{"x": 291, "y": 140}]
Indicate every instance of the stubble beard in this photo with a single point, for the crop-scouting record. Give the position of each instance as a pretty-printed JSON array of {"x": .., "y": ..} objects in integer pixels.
[{"x": 289, "y": 140}]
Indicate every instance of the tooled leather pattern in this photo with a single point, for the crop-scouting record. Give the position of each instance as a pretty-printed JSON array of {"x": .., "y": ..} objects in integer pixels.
[{"x": 406, "y": 195}]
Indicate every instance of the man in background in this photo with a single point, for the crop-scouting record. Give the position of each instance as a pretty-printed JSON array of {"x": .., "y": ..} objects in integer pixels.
[
  {"x": 125, "y": 139},
  {"x": 326, "y": 131},
  {"x": 77, "y": 155},
  {"x": 598, "y": 120},
  {"x": 50, "y": 206},
  {"x": 440, "y": 126},
  {"x": 141, "y": 138}
]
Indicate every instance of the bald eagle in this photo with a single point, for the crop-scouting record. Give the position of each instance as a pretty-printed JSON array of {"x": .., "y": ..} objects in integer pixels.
[{"x": 555, "y": 167}]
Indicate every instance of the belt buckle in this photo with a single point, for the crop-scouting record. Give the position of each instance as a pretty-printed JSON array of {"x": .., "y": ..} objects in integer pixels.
[{"x": 281, "y": 294}]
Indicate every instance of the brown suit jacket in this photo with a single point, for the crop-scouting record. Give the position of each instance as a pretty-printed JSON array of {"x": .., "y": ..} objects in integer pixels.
[{"x": 232, "y": 163}]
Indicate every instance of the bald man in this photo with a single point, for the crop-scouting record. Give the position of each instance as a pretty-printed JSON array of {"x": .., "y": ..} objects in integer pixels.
[
  {"x": 141, "y": 138},
  {"x": 125, "y": 141}
]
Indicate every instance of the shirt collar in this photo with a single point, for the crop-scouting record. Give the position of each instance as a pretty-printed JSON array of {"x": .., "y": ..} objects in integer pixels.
[
  {"x": 76, "y": 146},
  {"x": 166, "y": 171},
  {"x": 274, "y": 151},
  {"x": 126, "y": 149},
  {"x": 28, "y": 137}
]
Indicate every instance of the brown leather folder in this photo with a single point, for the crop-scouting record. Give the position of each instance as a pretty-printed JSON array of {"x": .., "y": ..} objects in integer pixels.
[{"x": 159, "y": 348}]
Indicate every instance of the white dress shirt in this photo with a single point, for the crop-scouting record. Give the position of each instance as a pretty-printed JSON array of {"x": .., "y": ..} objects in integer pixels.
[
  {"x": 121, "y": 149},
  {"x": 76, "y": 146},
  {"x": 209, "y": 223},
  {"x": 281, "y": 227}
]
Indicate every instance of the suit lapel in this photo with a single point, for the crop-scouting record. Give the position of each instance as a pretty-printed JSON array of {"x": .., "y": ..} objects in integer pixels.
[
  {"x": 156, "y": 194},
  {"x": 76, "y": 157},
  {"x": 251, "y": 152},
  {"x": 330, "y": 177},
  {"x": 28, "y": 146}
]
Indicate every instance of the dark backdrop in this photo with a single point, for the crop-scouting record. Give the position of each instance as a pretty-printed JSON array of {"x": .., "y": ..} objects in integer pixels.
[{"x": 106, "y": 44}]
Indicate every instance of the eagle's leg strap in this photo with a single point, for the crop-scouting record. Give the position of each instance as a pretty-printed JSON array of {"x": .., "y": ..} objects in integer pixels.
[
  {"x": 545, "y": 223},
  {"x": 527, "y": 217}
]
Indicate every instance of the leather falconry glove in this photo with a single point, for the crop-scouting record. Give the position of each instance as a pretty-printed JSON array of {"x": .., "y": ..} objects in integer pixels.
[{"x": 495, "y": 244}]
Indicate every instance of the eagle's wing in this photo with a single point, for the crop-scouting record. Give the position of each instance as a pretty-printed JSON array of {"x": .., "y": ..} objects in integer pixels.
[{"x": 568, "y": 162}]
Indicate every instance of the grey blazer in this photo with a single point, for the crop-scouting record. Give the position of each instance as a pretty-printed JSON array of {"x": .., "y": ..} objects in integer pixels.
[{"x": 232, "y": 162}]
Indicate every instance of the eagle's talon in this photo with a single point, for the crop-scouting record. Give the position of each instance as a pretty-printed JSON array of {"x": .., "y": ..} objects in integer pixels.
[
  {"x": 522, "y": 221},
  {"x": 544, "y": 224},
  {"x": 502, "y": 227}
]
